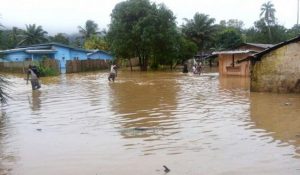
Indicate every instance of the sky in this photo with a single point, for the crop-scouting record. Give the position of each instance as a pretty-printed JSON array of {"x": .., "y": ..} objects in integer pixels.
[{"x": 64, "y": 16}]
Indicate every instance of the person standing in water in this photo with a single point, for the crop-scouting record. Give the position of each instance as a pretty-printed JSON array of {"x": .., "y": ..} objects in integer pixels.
[
  {"x": 32, "y": 73},
  {"x": 112, "y": 73}
]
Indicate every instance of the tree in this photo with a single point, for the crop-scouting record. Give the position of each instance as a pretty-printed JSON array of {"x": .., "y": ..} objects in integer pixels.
[
  {"x": 33, "y": 35},
  {"x": 142, "y": 29},
  {"x": 96, "y": 42},
  {"x": 60, "y": 38},
  {"x": 90, "y": 29},
  {"x": 260, "y": 33},
  {"x": 200, "y": 29},
  {"x": 229, "y": 38},
  {"x": 186, "y": 49},
  {"x": 268, "y": 15},
  {"x": 14, "y": 37},
  {"x": 294, "y": 31}
]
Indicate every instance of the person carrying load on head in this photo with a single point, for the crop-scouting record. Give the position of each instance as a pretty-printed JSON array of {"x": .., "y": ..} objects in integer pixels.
[
  {"x": 33, "y": 75},
  {"x": 113, "y": 73}
]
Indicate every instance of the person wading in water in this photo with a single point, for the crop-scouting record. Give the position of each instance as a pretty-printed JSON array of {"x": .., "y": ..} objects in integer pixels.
[
  {"x": 113, "y": 73},
  {"x": 34, "y": 77}
]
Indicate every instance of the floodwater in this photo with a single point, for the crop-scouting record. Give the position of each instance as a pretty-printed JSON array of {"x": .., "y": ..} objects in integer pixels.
[{"x": 80, "y": 124}]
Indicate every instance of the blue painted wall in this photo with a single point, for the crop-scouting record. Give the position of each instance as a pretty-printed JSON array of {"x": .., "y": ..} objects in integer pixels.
[
  {"x": 76, "y": 54},
  {"x": 23, "y": 56},
  {"x": 17, "y": 56},
  {"x": 62, "y": 54}
]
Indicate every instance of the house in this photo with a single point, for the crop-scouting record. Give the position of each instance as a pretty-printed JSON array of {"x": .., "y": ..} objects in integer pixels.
[
  {"x": 99, "y": 54},
  {"x": 276, "y": 69},
  {"x": 228, "y": 60},
  {"x": 53, "y": 50}
]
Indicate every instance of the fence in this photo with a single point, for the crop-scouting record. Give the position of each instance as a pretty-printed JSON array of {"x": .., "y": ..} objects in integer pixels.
[
  {"x": 22, "y": 66},
  {"x": 74, "y": 66}
]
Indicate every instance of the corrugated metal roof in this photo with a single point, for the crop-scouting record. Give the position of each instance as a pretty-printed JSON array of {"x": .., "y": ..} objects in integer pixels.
[
  {"x": 234, "y": 52},
  {"x": 98, "y": 51},
  {"x": 263, "y": 46},
  {"x": 41, "y": 51},
  {"x": 258, "y": 56},
  {"x": 52, "y": 44}
]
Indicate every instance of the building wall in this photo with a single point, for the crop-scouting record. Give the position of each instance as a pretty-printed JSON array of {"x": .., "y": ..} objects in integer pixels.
[
  {"x": 226, "y": 66},
  {"x": 63, "y": 54},
  {"x": 17, "y": 56},
  {"x": 79, "y": 55},
  {"x": 278, "y": 71}
]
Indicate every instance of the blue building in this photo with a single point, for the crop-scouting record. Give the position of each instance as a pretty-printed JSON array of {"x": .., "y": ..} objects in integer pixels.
[
  {"x": 99, "y": 54},
  {"x": 56, "y": 51}
]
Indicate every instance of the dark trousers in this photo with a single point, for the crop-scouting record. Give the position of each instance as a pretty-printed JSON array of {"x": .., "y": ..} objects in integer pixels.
[
  {"x": 35, "y": 84},
  {"x": 111, "y": 76}
]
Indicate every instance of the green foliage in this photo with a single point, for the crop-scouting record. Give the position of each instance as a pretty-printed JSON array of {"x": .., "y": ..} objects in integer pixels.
[
  {"x": 96, "y": 42},
  {"x": 201, "y": 30},
  {"x": 46, "y": 71},
  {"x": 294, "y": 31},
  {"x": 33, "y": 35},
  {"x": 60, "y": 38},
  {"x": 90, "y": 29},
  {"x": 142, "y": 29},
  {"x": 229, "y": 38},
  {"x": 260, "y": 33}
]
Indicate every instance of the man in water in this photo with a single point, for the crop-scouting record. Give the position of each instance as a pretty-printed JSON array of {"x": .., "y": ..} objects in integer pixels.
[
  {"x": 34, "y": 79},
  {"x": 112, "y": 73}
]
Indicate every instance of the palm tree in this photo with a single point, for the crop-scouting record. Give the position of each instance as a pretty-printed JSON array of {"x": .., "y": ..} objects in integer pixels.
[
  {"x": 14, "y": 36},
  {"x": 33, "y": 35},
  {"x": 90, "y": 29},
  {"x": 268, "y": 15},
  {"x": 200, "y": 29}
]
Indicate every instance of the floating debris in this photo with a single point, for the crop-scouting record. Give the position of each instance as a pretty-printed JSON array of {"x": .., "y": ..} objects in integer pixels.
[{"x": 166, "y": 169}]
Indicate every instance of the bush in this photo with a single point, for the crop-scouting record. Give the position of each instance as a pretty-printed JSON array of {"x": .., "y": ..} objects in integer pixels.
[{"x": 46, "y": 71}]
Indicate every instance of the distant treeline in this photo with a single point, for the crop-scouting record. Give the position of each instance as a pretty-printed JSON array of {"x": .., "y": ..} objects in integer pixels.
[{"x": 148, "y": 31}]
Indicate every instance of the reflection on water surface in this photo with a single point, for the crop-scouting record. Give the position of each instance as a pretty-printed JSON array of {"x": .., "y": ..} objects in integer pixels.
[{"x": 82, "y": 124}]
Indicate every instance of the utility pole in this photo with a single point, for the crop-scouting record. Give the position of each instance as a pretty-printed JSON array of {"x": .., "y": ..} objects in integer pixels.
[{"x": 297, "y": 13}]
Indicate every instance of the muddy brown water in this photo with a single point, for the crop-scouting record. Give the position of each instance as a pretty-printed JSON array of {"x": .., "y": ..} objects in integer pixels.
[{"x": 82, "y": 124}]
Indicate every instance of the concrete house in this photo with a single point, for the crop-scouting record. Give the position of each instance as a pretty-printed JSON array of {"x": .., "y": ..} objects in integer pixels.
[
  {"x": 277, "y": 69},
  {"x": 56, "y": 51},
  {"x": 228, "y": 60}
]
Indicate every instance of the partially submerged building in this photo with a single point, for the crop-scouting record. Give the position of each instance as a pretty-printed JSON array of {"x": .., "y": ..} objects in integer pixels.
[
  {"x": 53, "y": 50},
  {"x": 229, "y": 60},
  {"x": 276, "y": 69}
]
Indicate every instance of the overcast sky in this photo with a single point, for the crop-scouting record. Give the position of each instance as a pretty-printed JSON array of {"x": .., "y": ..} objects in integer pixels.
[{"x": 65, "y": 15}]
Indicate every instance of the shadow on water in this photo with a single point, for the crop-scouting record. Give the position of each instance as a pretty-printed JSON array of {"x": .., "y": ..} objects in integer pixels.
[{"x": 278, "y": 115}]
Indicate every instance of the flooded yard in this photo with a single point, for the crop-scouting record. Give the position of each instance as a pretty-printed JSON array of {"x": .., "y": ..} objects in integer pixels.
[{"x": 80, "y": 124}]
